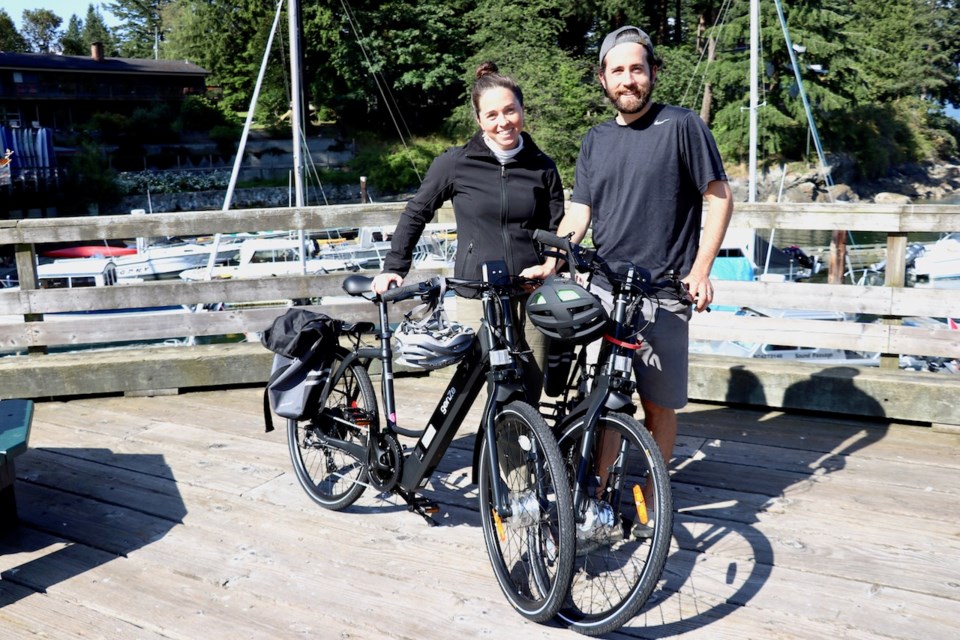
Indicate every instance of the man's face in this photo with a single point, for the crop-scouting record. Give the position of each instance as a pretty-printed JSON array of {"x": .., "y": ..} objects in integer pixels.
[{"x": 627, "y": 78}]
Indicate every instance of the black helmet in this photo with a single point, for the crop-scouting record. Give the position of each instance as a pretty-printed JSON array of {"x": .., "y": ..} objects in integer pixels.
[{"x": 563, "y": 310}]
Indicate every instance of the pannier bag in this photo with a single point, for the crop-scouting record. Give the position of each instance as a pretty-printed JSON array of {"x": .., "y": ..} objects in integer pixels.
[{"x": 304, "y": 343}]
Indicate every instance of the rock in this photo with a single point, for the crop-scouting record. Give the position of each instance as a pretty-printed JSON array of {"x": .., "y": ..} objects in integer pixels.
[
  {"x": 842, "y": 193},
  {"x": 801, "y": 192},
  {"x": 885, "y": 197}
]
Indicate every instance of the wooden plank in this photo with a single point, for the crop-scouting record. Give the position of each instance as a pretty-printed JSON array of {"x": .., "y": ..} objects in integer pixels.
[
  {"x": 835, "y": 297},
  {"x": 190, "y": 223},
  {"x": 163, "y": 293}
]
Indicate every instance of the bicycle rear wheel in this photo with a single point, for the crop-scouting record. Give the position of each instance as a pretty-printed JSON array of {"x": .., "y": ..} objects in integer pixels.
[
  {"x": 329, "y": 450},
  {"x": 623, "y": 540},
  {"x": 532, "y": 549}
]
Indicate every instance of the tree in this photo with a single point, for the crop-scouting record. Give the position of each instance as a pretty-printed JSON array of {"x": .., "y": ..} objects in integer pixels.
[
  {"x": 71, "y": 43},
  {"x": 141, "y": 26},
  {"x": 10, "y": 39},
  {"x": 388, "y": 60},
  {"x": 41, "y": 30},
  {"x": 95, "y": 29}
]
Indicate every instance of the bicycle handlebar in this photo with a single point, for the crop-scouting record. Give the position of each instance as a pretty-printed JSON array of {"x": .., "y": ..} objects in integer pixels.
[
  {"x": 551, "y": 239},
  {"x": 585, "y": 259},
  {"x": 397, "y": 294}
]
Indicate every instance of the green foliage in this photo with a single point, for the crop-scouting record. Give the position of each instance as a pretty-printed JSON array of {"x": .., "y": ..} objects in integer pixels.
[
  {"x": 141, "y": 25},
  {"x": 71, "y": 43},
  {"x": 141, "y": 182},
  {"x": 399, "y": 68},
  {"x": 225, "y": 136},
  {"x": 900, "y": 132},
  {"x": 41, "y": 30},
  {"x": 95, "y": 29},
  {"x": 395, "y": 168},
  {"x": 201, "y": 113},
  {"x": 90, "y": 177},
  {"x": 10, "y": 39}
]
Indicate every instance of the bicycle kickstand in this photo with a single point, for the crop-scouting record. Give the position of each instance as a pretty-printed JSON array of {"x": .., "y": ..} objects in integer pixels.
[{"x": 425, "y": 507}]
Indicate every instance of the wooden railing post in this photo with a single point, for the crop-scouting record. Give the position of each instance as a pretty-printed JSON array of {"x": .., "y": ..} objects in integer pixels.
[
  {"x": 26, "y": 260},
  {"x": 895, "y": 275},
  {"x": 838, "y": 257}
]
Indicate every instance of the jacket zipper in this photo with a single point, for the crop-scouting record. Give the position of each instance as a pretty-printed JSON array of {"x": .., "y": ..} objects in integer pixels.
[{"x": 507, "y": 255}]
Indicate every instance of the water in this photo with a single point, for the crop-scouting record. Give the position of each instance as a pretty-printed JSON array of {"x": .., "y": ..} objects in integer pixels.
[{"x": 821, "y": 238}]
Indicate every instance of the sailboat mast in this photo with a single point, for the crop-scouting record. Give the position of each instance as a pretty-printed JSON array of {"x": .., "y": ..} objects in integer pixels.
[
  {"x": 296, "y": 92},
  {"x": 296, "y": 118},
  {"x": 754, "y": 95}
]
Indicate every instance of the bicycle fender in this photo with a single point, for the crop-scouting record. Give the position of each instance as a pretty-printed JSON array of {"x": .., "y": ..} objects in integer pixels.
[{"x": 617, "y": 401}]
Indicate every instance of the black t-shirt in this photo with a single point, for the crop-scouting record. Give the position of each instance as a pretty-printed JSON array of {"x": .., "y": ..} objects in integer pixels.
[{"x": 644, "y": 183}]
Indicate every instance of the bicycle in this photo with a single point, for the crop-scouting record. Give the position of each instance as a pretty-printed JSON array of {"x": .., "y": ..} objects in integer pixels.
[
  {"x": 525, "y": 498},
  {"x": 621, "y": 489}
]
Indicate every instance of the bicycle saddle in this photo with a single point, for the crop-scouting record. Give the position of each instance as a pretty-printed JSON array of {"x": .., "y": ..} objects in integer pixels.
[{"x": 357, "y": 285}]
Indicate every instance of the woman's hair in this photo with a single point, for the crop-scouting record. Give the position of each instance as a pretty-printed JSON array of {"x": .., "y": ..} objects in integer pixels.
[{"x": 488, "y": 77}]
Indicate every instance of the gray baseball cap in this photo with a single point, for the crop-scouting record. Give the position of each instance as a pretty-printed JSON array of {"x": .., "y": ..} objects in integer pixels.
[{"x": 627, "y": 34}]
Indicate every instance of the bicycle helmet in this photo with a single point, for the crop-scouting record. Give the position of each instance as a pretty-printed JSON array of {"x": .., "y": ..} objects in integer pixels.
[
  {"x": 430, "y": 347},
  {"x": 563, "y": 310}
]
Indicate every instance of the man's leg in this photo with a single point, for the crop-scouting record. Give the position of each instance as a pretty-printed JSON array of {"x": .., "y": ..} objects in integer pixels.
[{"x": 662, "y": 423}]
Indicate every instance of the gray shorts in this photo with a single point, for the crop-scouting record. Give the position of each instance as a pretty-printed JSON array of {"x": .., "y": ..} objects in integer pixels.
[{"x": 661, "y": 364}]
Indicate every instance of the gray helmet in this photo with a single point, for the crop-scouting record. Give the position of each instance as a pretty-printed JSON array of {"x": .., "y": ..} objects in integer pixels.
[
  {"x": 565, "y": 311},
  {"x": 430, "y": 346}
]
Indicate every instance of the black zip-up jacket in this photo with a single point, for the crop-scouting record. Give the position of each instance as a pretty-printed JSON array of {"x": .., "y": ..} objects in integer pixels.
[{"x": 497, "y": 207}]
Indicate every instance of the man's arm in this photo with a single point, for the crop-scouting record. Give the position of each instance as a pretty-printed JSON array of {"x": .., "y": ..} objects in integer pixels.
[
  {"x": 719, "y": 210},
  {"x": 575, "y": 220}
]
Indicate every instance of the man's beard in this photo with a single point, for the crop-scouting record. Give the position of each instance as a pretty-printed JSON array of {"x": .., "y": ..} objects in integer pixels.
[{"x": 634, "y": 103}]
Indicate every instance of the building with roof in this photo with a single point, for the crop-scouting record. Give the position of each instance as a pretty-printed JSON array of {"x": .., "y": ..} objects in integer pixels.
[
  {"x": 44, "y": 100},
  {"x": 58, "y": 92}
]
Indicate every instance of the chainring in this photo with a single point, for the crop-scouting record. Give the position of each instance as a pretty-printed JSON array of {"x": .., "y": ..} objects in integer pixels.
[{"x": 385, "y": 462}]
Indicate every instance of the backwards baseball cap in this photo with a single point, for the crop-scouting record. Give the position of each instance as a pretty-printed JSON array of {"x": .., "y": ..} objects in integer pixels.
[{"x": 627, "y": 34}]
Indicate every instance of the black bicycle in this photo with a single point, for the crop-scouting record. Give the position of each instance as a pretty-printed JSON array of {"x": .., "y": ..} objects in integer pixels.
[
  {"x": 621, "y": 489},
  {"x": 525, "y": 499}
]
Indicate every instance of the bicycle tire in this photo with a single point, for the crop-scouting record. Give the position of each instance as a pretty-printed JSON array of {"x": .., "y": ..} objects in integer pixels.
[
  {"x": 331, "y": 475},
  {"x": 615, "y": 573},
  {"x": 532, "y": 550}
]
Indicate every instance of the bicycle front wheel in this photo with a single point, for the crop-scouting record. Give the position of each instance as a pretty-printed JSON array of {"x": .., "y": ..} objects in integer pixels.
[
  {"x": 531, "y": 549},
  {"x": 624, "y": 528},
  {"x": 329, "y": 450}
]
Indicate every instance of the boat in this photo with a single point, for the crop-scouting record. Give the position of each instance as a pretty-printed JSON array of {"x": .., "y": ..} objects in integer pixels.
[
  {"x": 161, "y": 261},
  {"x": 89, "y": 251},
  {"x": 938, "y": 265},
  {"x": 265, "y": 257}
]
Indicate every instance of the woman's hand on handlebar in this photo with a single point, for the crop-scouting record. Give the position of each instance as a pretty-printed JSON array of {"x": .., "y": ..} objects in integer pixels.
[
  {"x": 540, "y": 271},
  {"x": 382, "y": 282}
]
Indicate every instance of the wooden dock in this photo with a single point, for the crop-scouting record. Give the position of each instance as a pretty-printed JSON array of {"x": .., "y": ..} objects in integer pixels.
[{"x": 177, "y": 517}]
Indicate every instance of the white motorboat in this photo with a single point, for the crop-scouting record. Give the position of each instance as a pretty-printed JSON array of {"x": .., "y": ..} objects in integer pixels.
[
  {"x": 939, "y": 264},
  {"x": 264, "y": 257}
]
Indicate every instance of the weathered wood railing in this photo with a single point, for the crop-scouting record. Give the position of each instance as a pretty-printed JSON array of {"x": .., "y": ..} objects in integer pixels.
[{"x": 891, "y": 302}]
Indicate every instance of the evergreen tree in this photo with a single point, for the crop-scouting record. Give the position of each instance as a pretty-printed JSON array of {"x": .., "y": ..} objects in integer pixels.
[
  {"x": 10, "y": 39},
  {"x": 72, "y": 43},
  {"x": 95, "y": 29},
  {"x": 141, "y": 26}
]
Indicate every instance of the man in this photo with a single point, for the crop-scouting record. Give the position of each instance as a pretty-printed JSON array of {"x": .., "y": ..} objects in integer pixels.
[{"x": 641, "y": 180}]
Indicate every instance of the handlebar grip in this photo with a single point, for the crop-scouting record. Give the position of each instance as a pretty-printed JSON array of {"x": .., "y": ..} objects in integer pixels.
[
  {"x": 404, "y": 292},
  {"x": 551, "y": 239}
]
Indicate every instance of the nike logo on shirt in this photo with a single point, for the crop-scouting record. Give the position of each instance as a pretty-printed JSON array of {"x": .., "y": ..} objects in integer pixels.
[{"x": 657, "y": 123}]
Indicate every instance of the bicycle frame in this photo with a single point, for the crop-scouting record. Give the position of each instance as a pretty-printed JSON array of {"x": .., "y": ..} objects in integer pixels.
[
  {"x": 611, "y": 390},
  {"x": 494, "y": 348}
]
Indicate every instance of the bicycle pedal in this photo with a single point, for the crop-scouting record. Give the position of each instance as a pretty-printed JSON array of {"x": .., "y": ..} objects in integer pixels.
[{"x": 425, "y": 506}]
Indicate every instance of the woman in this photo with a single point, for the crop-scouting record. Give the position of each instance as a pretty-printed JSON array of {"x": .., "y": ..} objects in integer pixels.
[{"x": 502, "y": 188}]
